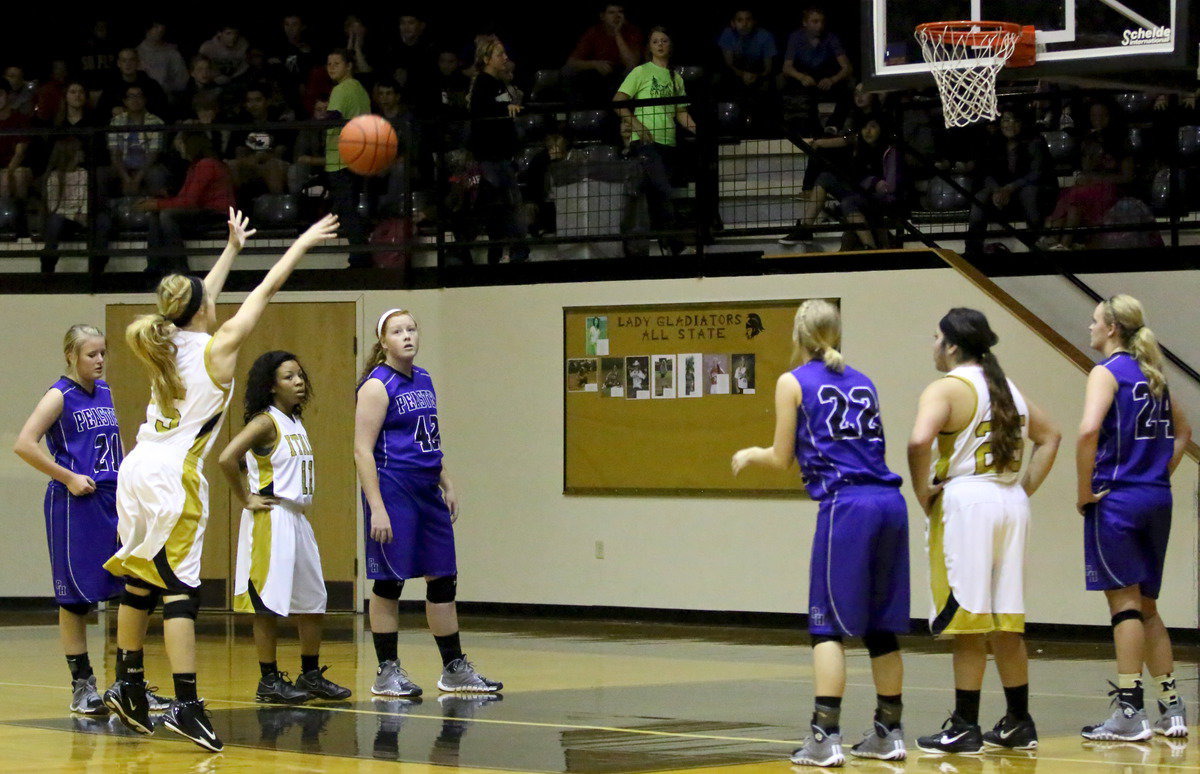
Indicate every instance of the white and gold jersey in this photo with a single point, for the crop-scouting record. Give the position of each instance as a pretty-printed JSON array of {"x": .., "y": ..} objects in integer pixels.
[
  {"x": 286, "y": 471},
  {"x": 967, "y": 454},
  {"x": 191, "y": 425}
]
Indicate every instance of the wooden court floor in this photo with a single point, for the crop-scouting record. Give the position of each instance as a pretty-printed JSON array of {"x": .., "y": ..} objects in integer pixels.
[{"x": 588, "y": 697}]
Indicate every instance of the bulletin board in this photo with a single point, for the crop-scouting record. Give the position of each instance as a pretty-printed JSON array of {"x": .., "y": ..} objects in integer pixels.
[{"x": 657, "y": 398}]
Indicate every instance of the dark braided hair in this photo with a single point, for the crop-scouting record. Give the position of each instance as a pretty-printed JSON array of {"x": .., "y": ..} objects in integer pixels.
[
  {"x": 262, "y": 378},
  {"x": 968, "y": 330}
]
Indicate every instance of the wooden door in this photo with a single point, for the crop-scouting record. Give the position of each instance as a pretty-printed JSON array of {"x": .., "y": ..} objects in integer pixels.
[{"x": 323, "y": 337}]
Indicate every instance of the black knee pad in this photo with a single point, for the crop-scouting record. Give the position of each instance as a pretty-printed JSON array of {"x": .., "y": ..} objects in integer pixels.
[
  {"x": 188, "y": 607},
  {"x": 146, "y": 602},
  {"x": 881, "y": 643},
  {"x": 817, "y": 639},
  {"x": 1127, "y": 615},
  {"x": 441, "y": 590},
  {"x": 387, "y": 589},
  {"x": 78, "y": 608}
]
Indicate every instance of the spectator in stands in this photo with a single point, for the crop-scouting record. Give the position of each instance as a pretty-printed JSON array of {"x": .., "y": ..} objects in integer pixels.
[
  {"x": 452, "y": 85},
  {"x": 98, "y": 55},
  {"x": 394, "y": 186},
  {"x": 493, "y": 142},
  {"x": 748, "y": 53},
  {"x": 227, "y": 52},
  {"x": 307, "y": 172},
  {"x": 15, "y": 174},
  {"x": 74, "y": 113},
  {"x": 66, "y": 197},
  {"x": 110, "y": 99},
  {"x": 652, "y": 128},
  {"x": 205, "y": 110},
  {"x": 22, "y": 93},
  {"x": 347, "y": 100},
  {"x": 1018, "y": 178},
  {"x": 815, "y": 69},
  {"x": 202, "y": 204},
  {"x": 203, "y": 81},
  {"x": 134, "y": 154},
  {"x": 867, "y": 187},
  {"x": 162, "y": 61},
  {"x": 48, "y": 97},
  {"x": 604, "y": 54},
  {"x": 416, "y": 54},
  {"x": 1106, "y": 165},
  {"x": 362, "y": 54},
  {"x": 294, "y": 59},
  {"x": 257, "y": 154}
]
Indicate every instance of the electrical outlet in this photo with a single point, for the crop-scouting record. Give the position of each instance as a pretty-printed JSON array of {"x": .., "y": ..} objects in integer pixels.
[{"x": 599, "y": 549}]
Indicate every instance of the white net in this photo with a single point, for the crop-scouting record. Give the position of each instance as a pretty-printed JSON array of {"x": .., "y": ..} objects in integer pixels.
[{"x": 965, "y": 58}]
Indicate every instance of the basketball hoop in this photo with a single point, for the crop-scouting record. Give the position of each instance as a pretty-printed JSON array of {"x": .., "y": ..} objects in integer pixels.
[{"x": 965, "y": 57}]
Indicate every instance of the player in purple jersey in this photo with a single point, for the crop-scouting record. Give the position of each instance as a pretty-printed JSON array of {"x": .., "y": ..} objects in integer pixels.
[
  {"x": 77, "y": 419},
  {"x": 409, "y": 505},
  {"x": 1131, "y": 439},
  {"x": 827, "y": 418}
]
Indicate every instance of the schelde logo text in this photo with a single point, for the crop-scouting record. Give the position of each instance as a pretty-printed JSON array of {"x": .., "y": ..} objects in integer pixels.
[{"x": 1142, "y": 37}]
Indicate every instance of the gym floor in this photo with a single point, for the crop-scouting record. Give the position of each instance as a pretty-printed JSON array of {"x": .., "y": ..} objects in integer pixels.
[{"x": 589, "y": 697}]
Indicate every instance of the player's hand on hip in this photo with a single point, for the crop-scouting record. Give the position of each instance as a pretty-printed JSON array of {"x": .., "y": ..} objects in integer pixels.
[
  {"x": 239, "y": 229},
  {"x": 381, "y": 528},
  {"x": 1091, "y": 498},
  {"x": 256, "y": 503},
  {"x": 80, "y": 485},
  {"x": 930, "y": 497}
]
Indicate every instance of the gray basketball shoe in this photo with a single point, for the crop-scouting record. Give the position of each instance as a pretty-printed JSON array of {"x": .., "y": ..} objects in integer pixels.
[
  {"x": 391, "y": 680},
  {"x": 881, "y": 744},
  {"x": 1172, "y": 719},
  {"x": 85, "y": 698},
  {"x": 460, "y": 676},
  {"x": 820, "y": 749},
  {"x": 1126, "y": 724}
]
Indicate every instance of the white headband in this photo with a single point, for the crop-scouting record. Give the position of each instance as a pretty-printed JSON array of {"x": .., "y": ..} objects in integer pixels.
[{"x": 383, "y": 319}]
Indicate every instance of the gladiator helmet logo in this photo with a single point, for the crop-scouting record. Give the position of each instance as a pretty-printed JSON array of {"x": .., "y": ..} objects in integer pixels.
[{"x": 754, "y": 325}]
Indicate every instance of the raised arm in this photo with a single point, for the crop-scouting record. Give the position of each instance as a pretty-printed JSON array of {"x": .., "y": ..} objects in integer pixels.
[
  {"x": 782, "y": 451},
  {"x": 29, "y": 447},
  {"x": 1101, "y": 390},
  {"x": 229, "y": 337},
  {"x": 369, "y": 414},
  {"x": 259, "y": 433},
  {"x": 933, "y": 414},
  {"x": 239, "y": 232},
  {"x": 1045, "y": 437}
]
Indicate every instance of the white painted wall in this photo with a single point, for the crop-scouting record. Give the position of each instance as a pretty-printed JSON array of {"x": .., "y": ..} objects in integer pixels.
[{"x": 495, "y": 354}]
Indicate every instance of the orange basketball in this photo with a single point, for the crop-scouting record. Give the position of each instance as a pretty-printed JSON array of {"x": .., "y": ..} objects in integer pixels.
[{"x": 367, "y": 144}]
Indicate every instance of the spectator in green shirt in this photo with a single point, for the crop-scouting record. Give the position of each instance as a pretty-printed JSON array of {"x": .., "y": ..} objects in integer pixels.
[
  {"x": 653, "y": 127},
  {"x": 347, "y": 100}
]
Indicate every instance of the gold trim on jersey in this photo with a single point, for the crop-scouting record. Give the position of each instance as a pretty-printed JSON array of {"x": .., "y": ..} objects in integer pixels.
[
  {"x": 224, "y": 388},
  {"x": 183, "y": 536},
  {"x": 260, "y": 561}
]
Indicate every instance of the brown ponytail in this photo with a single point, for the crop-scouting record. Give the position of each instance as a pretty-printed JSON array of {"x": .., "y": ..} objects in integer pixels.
[
  {"x": 150, "y": 338},
  {"x": 968, "y": 330}
]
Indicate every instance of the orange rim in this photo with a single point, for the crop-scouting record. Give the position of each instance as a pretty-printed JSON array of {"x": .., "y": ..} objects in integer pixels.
[{"x": 972, "y": 33}]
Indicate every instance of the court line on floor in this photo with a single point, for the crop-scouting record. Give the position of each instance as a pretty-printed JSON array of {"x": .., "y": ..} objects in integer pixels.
[{"x": 635, "y": 731}]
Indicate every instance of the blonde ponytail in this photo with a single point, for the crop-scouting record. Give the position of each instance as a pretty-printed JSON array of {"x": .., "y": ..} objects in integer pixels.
[
  {"x": 150, "y": 338},
  {"x": 817, "y": 330},
  {"x": 1129, "y": 317}
]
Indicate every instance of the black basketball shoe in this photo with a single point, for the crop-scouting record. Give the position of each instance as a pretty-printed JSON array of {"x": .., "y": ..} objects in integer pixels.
[
  {"x": 1013, "y": 734},
  {"x": 128, "y": 701},
  {"x": 957, "y": 736},
  {"x": 190, "y": 719}
]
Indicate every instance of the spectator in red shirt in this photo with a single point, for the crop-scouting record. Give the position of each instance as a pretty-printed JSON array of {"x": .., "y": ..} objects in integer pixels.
[
  {"x": 606, "y": 52},
  {"x": 49, "y": 95},
  {"x": 202, "y": 203},
  {"x": 15, "y": 176}
]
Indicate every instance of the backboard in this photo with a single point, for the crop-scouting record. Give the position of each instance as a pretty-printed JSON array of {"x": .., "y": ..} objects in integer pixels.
[{"x": 1097, "y": 38}]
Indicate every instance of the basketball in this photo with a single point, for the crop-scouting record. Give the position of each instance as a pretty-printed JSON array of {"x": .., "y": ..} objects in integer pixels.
[{"x": 367, "y": 144}]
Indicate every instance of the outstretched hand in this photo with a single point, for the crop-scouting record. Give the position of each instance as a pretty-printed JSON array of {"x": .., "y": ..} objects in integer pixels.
[
  {"x": 324, "y": 229},
  {"x": 239, "y": 229}
]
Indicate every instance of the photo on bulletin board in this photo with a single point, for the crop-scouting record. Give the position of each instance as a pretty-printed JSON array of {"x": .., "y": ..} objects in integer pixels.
[
  {"x": 612, "y": 384},
  {"x": 687, "y": 376},
  {"x": 581, "y": 375}
]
